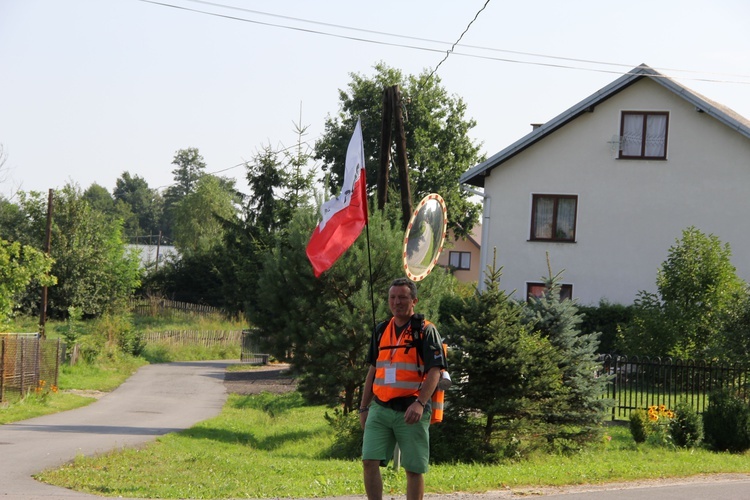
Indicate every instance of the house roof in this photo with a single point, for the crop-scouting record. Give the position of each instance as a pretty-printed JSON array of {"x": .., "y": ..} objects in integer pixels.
[{"x": 475, "y": 175}]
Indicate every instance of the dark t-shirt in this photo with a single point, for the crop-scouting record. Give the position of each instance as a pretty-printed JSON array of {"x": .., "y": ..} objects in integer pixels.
[{"x": 432, "y": 346}]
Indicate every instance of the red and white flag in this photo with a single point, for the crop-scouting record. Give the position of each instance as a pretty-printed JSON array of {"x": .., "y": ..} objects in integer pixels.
[{"x": 344, "y": 216}]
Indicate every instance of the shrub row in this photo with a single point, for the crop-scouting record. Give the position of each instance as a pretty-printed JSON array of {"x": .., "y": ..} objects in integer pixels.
[{"x": 725, "y": 425}]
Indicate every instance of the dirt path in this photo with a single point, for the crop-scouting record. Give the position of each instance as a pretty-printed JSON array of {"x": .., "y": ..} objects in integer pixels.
[{"x": 273, "y": 378}]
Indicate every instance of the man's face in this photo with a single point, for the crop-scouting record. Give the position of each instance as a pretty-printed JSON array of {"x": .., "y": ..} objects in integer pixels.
[{"x": 400, "y": 301}]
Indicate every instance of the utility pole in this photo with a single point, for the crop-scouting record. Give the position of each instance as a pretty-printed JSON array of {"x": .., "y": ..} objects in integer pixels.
[
  {"x": 47, "y": 245},
  {"x": 393, "y": 111}
]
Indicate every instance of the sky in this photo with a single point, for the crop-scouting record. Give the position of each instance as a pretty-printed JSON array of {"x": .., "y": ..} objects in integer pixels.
[{"x": 90, "y": 89}]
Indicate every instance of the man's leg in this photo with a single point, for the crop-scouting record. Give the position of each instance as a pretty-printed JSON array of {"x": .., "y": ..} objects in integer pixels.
[
  {"x": 373, "y": 479},
  {"x": 414, "y": 486}
]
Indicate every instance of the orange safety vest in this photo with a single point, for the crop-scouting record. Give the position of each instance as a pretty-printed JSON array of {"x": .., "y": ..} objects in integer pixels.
[{"x": 397, "y": 370}]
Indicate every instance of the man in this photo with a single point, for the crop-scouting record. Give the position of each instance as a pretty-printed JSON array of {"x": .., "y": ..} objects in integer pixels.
[{"x": 396, "y": 398}]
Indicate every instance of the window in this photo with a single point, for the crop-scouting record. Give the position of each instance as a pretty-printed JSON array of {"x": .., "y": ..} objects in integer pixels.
[
  {"x": 644, "y": 135},
  {"x": 460, "y": 260},
  {"x": 538, "y": 289},
  {"x": 553, "y": 217}
]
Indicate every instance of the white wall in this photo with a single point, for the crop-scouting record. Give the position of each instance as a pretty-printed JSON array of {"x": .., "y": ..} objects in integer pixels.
[{"x": 629, "y": 211}]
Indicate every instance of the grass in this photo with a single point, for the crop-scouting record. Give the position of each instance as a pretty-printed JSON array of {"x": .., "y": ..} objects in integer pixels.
[
  {"x": 272, "y": 446},
  {"x": 35, "y": 406}
]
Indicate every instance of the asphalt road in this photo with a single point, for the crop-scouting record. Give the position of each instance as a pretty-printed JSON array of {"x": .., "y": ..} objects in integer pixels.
[
  {"x": 157, "y": 400},
  {"x": 165, "y": 398}
]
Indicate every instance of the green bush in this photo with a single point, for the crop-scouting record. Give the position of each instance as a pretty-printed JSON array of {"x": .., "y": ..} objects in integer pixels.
[
  {"x": 348, "y": 432},
  {"x": 459, "y": 440},
  {"x": 726, "y": 422},
  {"x": 639, "y": 425},
  {"x": 686, "y": 428},
  {"x": 608, "y": 319}
]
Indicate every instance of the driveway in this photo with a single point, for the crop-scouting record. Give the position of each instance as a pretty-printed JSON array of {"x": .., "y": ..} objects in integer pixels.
[{"x": 157, "y": 400}]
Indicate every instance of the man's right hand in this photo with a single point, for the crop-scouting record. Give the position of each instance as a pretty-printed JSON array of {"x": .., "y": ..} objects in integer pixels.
[{"x": 363, "y": 418}]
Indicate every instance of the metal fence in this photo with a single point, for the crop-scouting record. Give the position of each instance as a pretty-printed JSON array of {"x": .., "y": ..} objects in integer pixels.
[
  {"x": 250, "y": 352},
  {"x": 640, "y": 382},
  {"x": 28, "y": 363}
]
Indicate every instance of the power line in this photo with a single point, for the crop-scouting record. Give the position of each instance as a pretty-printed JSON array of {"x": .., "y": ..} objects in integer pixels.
[
  {"x": 448, "y": 52},
  {"x": 427, "y": 49}
]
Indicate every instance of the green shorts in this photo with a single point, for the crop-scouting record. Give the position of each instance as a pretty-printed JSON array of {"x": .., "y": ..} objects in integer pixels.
[{"x": 386, "y": 427}]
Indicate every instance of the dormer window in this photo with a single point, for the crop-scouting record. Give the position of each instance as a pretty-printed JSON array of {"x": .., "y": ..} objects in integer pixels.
[{"x": 643, "y": 135}]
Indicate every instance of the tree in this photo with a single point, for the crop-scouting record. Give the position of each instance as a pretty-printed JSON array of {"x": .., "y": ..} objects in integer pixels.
[
  {"x": 509, "y": 373},
  {"x": 190, "y": 167},
  {"x": 198, "y": 216},
  {"x": 437, "y": 143},
  {"x": 20, "y": 265},
  {"x": 265, "y": 178},
  {"x": 93, "y": 269},
  {"x": 580, "y": 407},
  {"x": 99, "y": 199},
  {"x": 144, "y": 203},
  {"x": 323, "y": 326},
  {"x": 699, "y": 300}
]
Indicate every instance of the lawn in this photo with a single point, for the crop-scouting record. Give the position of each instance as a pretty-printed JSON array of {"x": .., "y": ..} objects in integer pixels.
[{"x": 270, "y": 446}]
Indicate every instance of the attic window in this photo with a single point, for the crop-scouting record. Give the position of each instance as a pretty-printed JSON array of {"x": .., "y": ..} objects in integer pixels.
[{"x": 643, "y": 135}]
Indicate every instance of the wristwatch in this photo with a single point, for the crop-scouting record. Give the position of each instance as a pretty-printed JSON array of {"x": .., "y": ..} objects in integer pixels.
[{"x": 364, "y": 409}]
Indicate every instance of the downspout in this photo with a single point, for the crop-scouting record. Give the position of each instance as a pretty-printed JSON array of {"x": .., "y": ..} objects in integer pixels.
[{"x": 487, "y": 205}]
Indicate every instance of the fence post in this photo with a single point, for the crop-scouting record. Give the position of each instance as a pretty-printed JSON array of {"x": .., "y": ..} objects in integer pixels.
[
  {"x": 22, "y": 365},
  {"x": 2, "y": 368}
]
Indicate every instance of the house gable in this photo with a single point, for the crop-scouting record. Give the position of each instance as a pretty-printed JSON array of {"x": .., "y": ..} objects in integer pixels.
[
  {"x": 475, "y": 175},
  {"x": 628, "y": 212}
]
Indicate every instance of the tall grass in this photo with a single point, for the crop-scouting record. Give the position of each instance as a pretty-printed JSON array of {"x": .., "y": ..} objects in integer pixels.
[{"x": 274, "y": 446}]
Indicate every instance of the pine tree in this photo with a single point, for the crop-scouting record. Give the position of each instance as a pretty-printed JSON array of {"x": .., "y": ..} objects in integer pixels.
[{"x": 579, "y": 408}]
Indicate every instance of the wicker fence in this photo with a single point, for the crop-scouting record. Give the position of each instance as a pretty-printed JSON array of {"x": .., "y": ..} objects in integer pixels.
[
  {"x": 27, "y": 363},
  {"x": 640, "y": 382},
  {"x": 205, "y": 338}
]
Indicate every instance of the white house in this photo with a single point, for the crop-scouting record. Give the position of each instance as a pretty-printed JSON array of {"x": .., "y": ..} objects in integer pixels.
[{"x": 606, "y": 187}]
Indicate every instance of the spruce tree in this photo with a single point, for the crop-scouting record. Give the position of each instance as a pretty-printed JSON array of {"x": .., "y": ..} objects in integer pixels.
[
  {"x": 579, "y": 407},
  {"x": 505, "y": 371}
]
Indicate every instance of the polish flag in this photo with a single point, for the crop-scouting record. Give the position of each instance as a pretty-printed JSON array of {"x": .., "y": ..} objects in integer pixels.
[{"x": 344, "y": 216}]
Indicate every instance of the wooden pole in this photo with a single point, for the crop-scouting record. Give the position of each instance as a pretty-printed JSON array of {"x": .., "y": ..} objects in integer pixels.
[
  {"x": 47, "y": 244},
  {"x": 401, "y": 158},
  {"x": 158, "y": 247},
  {"x": 385, "y": 147}
]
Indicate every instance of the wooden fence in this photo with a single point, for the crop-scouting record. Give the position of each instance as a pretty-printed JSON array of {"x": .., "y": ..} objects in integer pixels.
[
  {"x": 28, "y": 363},
  {"x": 166, "y": 307},
  {"x": 640, "y": 382},
  {"x": 205, "y": 338}
]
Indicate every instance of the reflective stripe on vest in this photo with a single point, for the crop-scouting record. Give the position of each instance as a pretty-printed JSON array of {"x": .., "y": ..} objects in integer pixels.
[{"x": 408, "y": 376}]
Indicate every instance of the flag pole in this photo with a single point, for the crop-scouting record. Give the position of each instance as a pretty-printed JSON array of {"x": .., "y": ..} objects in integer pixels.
[{"x": 369, "y": 266}]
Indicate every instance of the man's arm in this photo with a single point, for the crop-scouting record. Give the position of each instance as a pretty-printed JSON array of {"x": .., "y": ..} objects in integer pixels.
[{"x": 414, "y": 412}]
